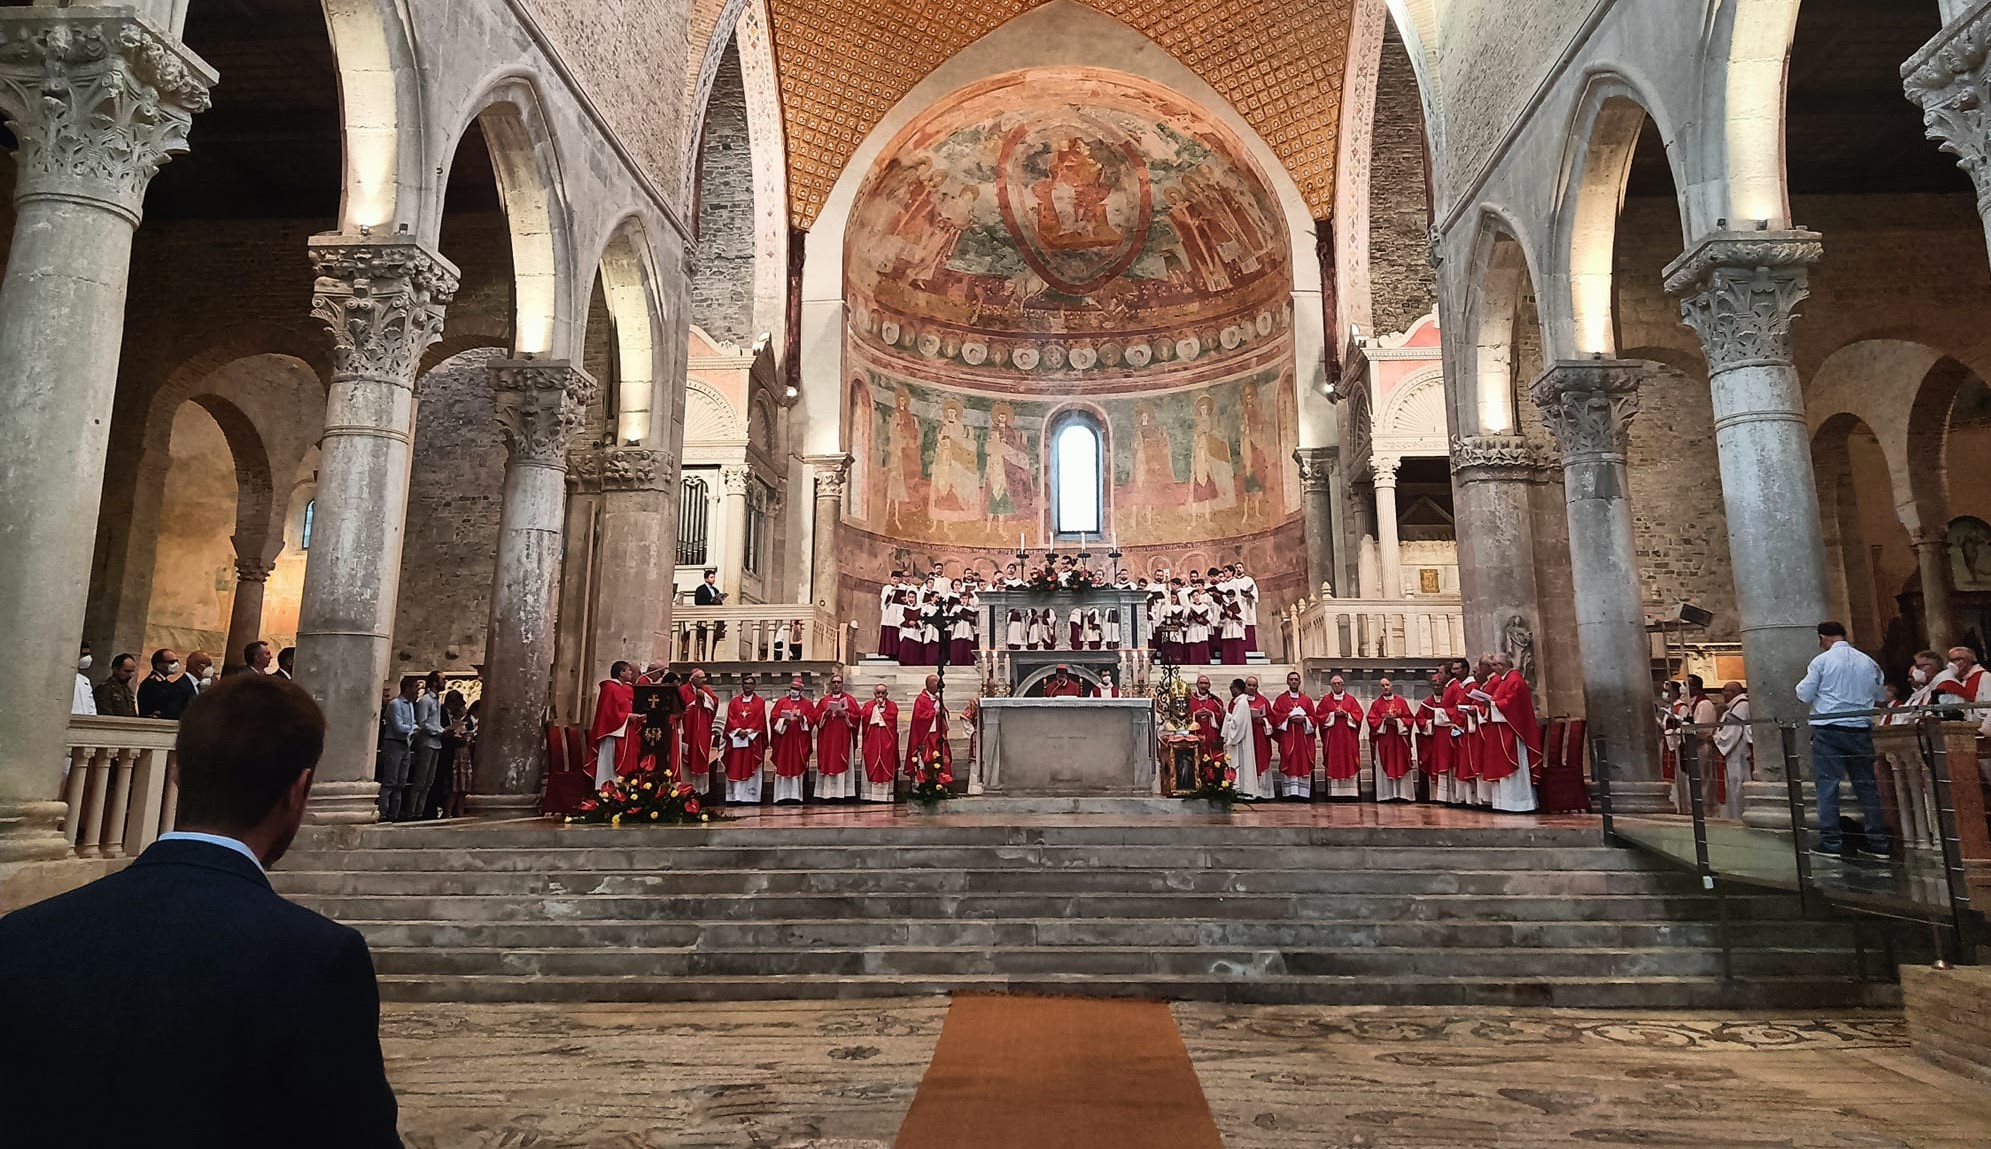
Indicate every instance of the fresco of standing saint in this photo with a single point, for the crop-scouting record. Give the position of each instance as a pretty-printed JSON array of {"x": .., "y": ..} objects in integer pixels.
[
  {"x": 1010, "y": 493},
  {"x": 1254, "y": 437},
  {"x": 1212, "y": 471},
  {"x": 956, "y": 484},
  {"x": 900, "y": 446}
]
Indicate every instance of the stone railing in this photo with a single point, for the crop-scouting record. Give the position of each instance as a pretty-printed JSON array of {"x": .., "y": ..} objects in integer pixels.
[
  {"x": 1432, "y": 627},
  {"x": 762, "y": 633},
  {"x": 120, "y": 789}
]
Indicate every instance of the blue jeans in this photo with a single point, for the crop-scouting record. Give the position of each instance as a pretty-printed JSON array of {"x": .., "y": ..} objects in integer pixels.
[{"x": 1846, "y": 752}]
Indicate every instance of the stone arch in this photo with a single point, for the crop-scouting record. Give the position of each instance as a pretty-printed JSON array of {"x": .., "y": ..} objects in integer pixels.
[
  {"x": 1744, "y": 107},
  {"x": 1928, "y": 445},
  {"x": 1849, "y": 582},
  {"x": 525, "y": 159},
  {"x": 1502, "y": 277},
  {"x": 629, "y": 286},
  {"x": 380, "y": 116},
  {"x": 699, "y": 90},
  {"x": 1610, "y": 116}
]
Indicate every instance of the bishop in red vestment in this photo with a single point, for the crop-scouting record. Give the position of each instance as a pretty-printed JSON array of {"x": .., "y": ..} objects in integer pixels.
[
  {"x": 928, "y": 732},
  {"x": 1339, "y": 716},
  {"x": 1390, "y": 722},
  {"x": 1513, "y": 739},
  {"x": 1434, "y": 739},
  {"x": 1061, "y": 684},
  {"x": 701, "y": 713},
  {"x": 1207, "y": 711},
  {"x": 1261, "y": 734},
  {"x": 1465, "y": 729},
  {"x": 836, "y": 737},
  {"x": 613, "y": 737},
  {"x": 1293, "y": 726},
  {"x": 880, "y": 720},
  {"x": 790, "y": 723},
  {"x": 745, "y": 735}
]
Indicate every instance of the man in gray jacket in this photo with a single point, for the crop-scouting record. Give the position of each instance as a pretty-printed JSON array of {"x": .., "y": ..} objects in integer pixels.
[
  {"x": 426, "y": 746},
  {"x": 397, "y": 732}
]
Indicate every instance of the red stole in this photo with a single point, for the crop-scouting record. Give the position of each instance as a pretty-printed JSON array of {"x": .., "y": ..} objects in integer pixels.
[
  {"x": 835, "y": 733},
  {"x": 1517, "y": 727},
  {"x": 881, "y": 741},
  {"x": 614, "y": 712},
  {"x": 1434, "y": 742},
  {"x": 746, "y": 716},
  {"x": 1208, "y": 715},
  {"x": 928, "y": 732},
  {"x": 1340, "y": 734},
  {"x": 1261, "y": 731},
  {"x": 1296, "y": 737},
  {"x": 791, "y": 744},
  {"x": 701, "y": 707},
  {"x": 1389, "y": 734}
]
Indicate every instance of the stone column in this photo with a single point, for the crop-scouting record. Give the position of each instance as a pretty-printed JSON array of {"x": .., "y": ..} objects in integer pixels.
[
  {"x": 1492, "y": 477},
  {"x": 1317, "y": 466},
  {"x": 540, "y": 406},
  {"x": 579, "y": 568},
  {"x": 733, "y": 572},
  {"x": 245, "y": 616},
  {"x": 832, "y": 473},
  {"x": 1739, "y": 292},
  {"x": 637, "y": 561},
  {"x": 98, "y": 98},
  {"x": 1383, "y": 471},
  {"x": 1932, "y": 556},
  {"x": 1588, "y": 406},
  {"x": 1950, "y": 80},
  {"x": 383, "y": 301}
]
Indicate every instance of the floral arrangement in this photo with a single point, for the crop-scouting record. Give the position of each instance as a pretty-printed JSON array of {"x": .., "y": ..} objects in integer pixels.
[
  {"x": 646, "y": 798},
  {"x": 1043, "y": 580},
  {"x": 1081, "y": 580},
  {"x": 1213, "y": 783},
  {"x": 931, "y": 777}
]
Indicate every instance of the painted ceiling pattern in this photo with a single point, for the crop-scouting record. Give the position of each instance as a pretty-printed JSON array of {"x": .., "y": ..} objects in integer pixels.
[{"x": 844, "y": 63}]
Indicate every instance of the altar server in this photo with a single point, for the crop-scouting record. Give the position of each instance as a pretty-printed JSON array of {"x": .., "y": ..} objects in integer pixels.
[
  {"x": 1198, "y": 619},
  {"x": 745, "y": 736},
  {"x": 1246, "y": 588},
  {"x": 701, "y": 713},
  {"x": 891, "y": 613},
  {"x": 1513, "y": 738},
  {"x": 1207, "y": 711},
  {"x": 836, "y": 735},
  {"x": 1339, "y": 715},
  {"x": 1230, "y": 629},
  {"x": 1017, "y": 632},
  {"x": 911, "y": 627},
  {"x": 1040, "y": 636},
  {"x": 1240, "y": 743},
  {"x": 791, "y": 721},
  {"x": 961, "y": 633},
  {"x": 1735, "y": 741},
  {"x": 1390, "y": 725},
  {"x": 880, "y": 720},
  {"x": 613, "y": 736},
  {"x": 1293, "y": 726},
  {"x": 928, "y": 732}
]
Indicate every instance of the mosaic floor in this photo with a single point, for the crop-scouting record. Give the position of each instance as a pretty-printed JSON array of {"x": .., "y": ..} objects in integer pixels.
[{"x": 837, "y": 1075}]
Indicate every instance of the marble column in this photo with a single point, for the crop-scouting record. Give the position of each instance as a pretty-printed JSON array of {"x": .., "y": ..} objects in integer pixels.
[
  {"x": 636, "y": 561},
  {"x": 1739, "y": 292},
  {"x": 1588, "y": 407},
  {"x": 1492, "y": 478},
  {"x": 1932, "y": 556},
  {"x": 832, "y": 473},
  {"x": 98, "y": 98},
  {"x": 1950, "y": 80},
  {"x": 541, "y": 404},
  {"x": 733, "y": 572},
  {"x": 1389, "y": 549},
  {"x": 382, "y": 299},
  {"x": 1317, "y": 465},
  {"x": 245, "y": 615}
]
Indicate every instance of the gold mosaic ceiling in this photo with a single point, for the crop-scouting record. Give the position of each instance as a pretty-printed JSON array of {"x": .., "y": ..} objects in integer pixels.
[{"x": 844, "y": 63}]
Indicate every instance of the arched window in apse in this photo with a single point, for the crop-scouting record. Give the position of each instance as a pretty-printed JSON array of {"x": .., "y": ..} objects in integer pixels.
[{"x": 1076, "y": 475}]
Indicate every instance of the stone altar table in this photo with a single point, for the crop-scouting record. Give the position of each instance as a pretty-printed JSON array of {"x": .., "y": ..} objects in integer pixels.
[
  {"x": 1017, "y": 671},
  {"x": 1068, "y": 747}
]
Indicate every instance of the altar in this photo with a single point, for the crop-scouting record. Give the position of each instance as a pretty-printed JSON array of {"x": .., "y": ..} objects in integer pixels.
[
  {"x": 1021, "y": 672},
  {"x": 1068, "y": 747}
]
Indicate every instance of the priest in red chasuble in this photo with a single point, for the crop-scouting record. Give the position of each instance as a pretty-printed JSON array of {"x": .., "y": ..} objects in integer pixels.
[
  {"x": 836, "y": 736},
  {"x": 1261, "y": 734},
  {"x": 1390, "y": 725},
  {"x": 1061, "y": 684},
  {"x": 1340, "y": 716},
  {"x": 614, "y": 736},
  {"x": 745, "y": 739},
  {"x": 791, "y": 722},
  {"x": 880, "y": 722},
  {"x": 1513, "y": 738},
  {"x": 929, "y": 728},
  {"x": 701, "y": 713},
  {"x": 1293, "y": 726},
  {"x": 1464, "y": 717},
  {"x": 1434, "y": 739},
  {"x": 1207, "y": 711}
]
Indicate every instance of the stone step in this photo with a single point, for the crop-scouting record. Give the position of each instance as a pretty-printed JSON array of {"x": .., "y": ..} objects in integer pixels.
[
  {"x": 780, "y": 907},
  {"x": 1145, "y": 932},
  {"x": 967, "y": 881},
  {"x": 1697, "y": 993},
  {"x": 957, "y": 829},
  {"x": 1106, "y": 961}
]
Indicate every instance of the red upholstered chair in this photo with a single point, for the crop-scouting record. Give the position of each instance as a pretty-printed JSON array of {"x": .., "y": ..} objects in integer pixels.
[
  {"x": 1552, "y": 746},
  {"x": 1563, "y": 790},
  {"x": 569, "y": 775},
  {"x": 578, "y": 757}
]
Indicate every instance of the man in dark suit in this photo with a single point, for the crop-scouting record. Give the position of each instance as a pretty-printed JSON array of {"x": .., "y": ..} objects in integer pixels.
[
  {"x": 707, "y": 593},
  {"x": 181, "y": 1001}
]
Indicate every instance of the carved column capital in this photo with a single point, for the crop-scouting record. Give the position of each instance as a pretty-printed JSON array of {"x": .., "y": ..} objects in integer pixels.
[
  {"x": 1496, "y": 459},
  {"x": 1588, "y": 405},
  {"x": 1317, "y": 465},
  {"x": 734, "y": 479},
  {"x": 1739, "y": 291},
  {"x": 832, "y": 475},
  {"x": 637, "y": 469},
  {"x": 541, "y": 405},
  {"x": 1383, "y": 468},
  {"x": 253, "y": 570},
  {"x": 99, "y": 99},
  {"x": 1950, "y": 80},
  {"x": 584, "y": 470},
  {"x": 382, "y": 300}
]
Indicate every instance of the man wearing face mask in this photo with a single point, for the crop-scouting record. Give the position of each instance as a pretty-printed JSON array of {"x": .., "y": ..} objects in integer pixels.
[
  {"x": 200, "y": 668},
  {"x": 115, "y": 695},
  {"x": 83, "y": 700},
  {"x": 165, "y": 692},
  {"x": 1965, "y": 682}
]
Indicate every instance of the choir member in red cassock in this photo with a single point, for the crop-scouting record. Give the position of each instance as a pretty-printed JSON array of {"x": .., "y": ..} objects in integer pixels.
[
  {"x": 745, "y": 736},
  {"x": 701, "y": 713},
  {"x": 790, "y": 723},
  {"x": 1434, "y": 739},
  {"x": 1293, "y": 726},
  {"x": 1390, "y": 724},
  {"x": 1207, "y": 711},
  {"x": 1061, "y": 684},
  {"x": 614, "y": 736},
  {"x": 1339, "y": 716},
  {"x": 880, "y": 720},
  {"x": 928, "y": 732},
  {"x": 836, "y": 737},
  {"x": 1513, "y": 738}
]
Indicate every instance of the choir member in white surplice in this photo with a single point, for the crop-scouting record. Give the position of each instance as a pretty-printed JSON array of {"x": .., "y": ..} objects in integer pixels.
[{"x": 1240, "y": 743}]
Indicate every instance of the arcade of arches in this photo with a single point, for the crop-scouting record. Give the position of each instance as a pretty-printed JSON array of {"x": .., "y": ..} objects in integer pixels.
[{"x": 466, "y": 339}]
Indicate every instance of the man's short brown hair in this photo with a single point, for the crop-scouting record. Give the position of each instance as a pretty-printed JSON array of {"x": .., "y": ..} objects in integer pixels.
[{"x": 241, "y": 745}]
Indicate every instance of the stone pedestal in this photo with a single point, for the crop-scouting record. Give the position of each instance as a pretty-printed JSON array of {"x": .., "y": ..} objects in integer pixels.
[
  {"x": 98, "y": 99},
  {"x": 1068, "y": 747},
  {"x": 1739, "y": 292},
  {"x": 1317, "y": 465},
  {"x": 1588, "y": 406},
  {"x": 540, "y": 406},
  {"x": 383, "y": 302}
]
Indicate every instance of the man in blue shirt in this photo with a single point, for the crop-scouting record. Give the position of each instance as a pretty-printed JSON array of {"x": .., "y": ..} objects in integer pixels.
[{"x": 1839, "y": 685}]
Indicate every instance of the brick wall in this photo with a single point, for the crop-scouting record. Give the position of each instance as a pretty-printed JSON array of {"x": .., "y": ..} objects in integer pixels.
[
  {"x": 1495, "y": 53},
  {"x": 722, "y": 290},
  {"x": 1402, "y": 281},
  {"x": 631, "y": 56}
]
